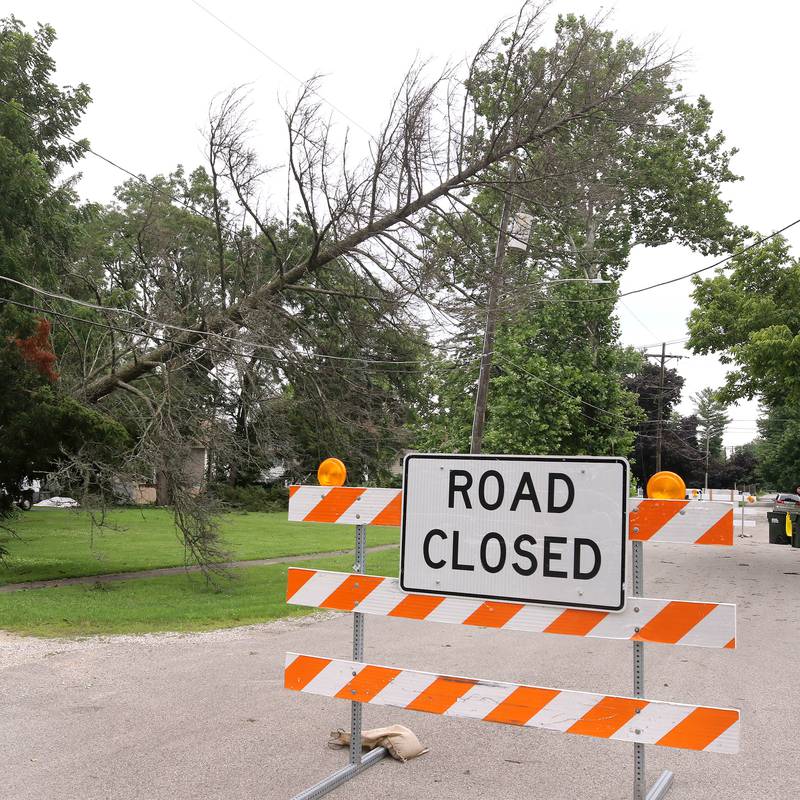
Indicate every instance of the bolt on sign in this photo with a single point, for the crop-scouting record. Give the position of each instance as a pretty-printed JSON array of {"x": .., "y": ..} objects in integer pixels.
[{"x": 530, "y": 529}]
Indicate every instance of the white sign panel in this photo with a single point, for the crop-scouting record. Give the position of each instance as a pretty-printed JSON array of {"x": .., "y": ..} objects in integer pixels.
[
  {"x": 531, "y": 529},
  {"x": 520, "y": 230}
]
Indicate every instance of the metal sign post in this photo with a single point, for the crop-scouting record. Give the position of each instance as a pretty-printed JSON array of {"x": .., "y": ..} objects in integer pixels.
[
  {"x": 358, "y": 648},
  {"x": 357, "y": 761},
  {"x": 742, "y": 527},
  {"x": 639, "y": 777},
  {"x": 662, "y": 785}
]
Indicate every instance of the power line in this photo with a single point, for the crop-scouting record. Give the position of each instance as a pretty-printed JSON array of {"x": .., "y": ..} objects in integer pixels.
[
  {"x": 556, "y": 388},
  {"x": 640, "y": 321},
  {"x": 686, "y": 275},
  {"x": 181, "y": 329},
  {"x": 140, "y": 178},
  {"x": 276, "y": 353},
  {"x": 716, "y": 264},
  {"x": 305, "y": 84}
]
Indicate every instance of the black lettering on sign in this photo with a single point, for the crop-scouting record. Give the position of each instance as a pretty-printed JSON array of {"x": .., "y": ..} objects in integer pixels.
[
  {"x": 526, "y": 491},
  {"x": 456, "y": 565},
  {"x": 550, "y": 556},
  {"x": 426, "y": 548},
  {"x": 585, "y": 576},
  {"x": 520, "y": 540},
  {"x": 493, "y": 473},
  {"x": 552, "y": 508},
  {"x": 501, "y": 561},
  {"x": 463, "y": 488}
]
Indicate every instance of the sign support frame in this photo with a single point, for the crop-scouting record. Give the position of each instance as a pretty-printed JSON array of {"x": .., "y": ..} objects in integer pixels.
[
  {"x": 356, "y": 761},
  {"x": 662, "y": 785},
  {"x": 384, "y": 516}
]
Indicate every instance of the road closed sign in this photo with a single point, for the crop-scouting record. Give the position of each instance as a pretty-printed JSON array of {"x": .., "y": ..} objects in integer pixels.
[{"x": 530, "y": 529}]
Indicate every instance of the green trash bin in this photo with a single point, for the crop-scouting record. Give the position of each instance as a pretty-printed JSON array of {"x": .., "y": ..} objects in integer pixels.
[{"x": 777, "y": 528}]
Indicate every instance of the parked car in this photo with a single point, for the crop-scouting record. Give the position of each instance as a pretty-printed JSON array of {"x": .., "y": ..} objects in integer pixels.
[{"x": 784, "y": 501}]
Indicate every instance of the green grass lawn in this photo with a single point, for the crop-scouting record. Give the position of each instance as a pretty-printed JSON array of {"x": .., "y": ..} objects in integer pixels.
[
  {"x": 169, "y": 603},
  {"x": 59, "y": 543}
]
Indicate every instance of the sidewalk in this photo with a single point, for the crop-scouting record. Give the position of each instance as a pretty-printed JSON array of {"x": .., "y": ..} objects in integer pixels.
[{"x": 153, "y": 573}]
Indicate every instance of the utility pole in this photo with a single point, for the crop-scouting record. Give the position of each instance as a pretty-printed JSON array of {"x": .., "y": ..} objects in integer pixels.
[
  {"x": 660, "y": 427},
  {"x": 709, "y": 431},
  {"x": 495, "y": 282},
  {"x": 504, "y": 240}
]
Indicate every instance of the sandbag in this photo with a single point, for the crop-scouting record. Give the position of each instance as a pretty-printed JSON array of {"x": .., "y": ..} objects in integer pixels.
[{"x": 400, "y": 742}]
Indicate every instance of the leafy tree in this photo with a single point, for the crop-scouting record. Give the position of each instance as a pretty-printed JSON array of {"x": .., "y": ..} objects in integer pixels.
[
  {"x": 778, "y": 448},
  {"x": 751, "y": 319},
  {"x": 39, "y": 221},
  {"x": 742, "y": 468},
  {"x": 647, "y": 175},
  {"x": 358, "y": 410},
  {"x": 681, "y": 452},
  {"x": 645, "y": 383},
  {"x": 554, "y": 390},
  {"x": 312, "y": 392}
]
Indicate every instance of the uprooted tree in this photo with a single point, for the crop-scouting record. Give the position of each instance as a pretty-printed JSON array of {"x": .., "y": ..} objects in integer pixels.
[{"x": 210, "y": 317}]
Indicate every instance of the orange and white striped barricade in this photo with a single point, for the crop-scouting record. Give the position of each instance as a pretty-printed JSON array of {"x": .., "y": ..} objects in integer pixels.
[
  {"x": 625, "y": 719},
  {"x": 680, "y": 521},
  {"x": 644, "y": 619},
  {"x": 630, "y": 719}
]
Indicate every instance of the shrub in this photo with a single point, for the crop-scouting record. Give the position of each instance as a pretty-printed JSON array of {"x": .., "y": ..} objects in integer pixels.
[{"x": 253, "y": 498}]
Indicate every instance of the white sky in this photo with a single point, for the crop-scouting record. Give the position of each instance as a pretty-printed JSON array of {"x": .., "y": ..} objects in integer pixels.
[{"x": 153, "y": 67}]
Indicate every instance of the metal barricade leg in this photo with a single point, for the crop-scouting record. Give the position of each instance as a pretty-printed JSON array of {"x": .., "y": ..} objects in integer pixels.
[
  {"x": 661, "y": 786},
  {"x": 358, "y": 648},
  {"x": 639, "y": 778},
  {"x": 357, "y": 762}
]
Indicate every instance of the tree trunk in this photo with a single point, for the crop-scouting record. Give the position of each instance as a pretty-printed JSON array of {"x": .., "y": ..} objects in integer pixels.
[{"x": 163, "y": 497}]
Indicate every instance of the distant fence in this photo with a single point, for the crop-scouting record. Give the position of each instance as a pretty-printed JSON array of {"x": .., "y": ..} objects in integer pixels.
[{"x": 724, "y": 495}]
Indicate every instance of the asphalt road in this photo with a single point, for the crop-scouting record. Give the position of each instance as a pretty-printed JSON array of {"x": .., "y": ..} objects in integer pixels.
[{"x": 205, "y": 716}]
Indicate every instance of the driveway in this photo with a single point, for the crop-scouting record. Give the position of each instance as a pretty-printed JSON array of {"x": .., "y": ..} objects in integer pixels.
[{"x": 168, "y": 717}]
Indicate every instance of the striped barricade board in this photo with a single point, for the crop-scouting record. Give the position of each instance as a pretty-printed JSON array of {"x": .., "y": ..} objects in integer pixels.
[
  {"x": 679, "y": 521},
  {"x": 624, "y": 719},
  {"x": 643, "y": 619}
]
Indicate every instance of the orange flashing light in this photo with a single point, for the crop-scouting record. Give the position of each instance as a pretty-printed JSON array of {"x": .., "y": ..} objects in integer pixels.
[
  {"x": 332, "y": 472},
  {"x": 666, "y": 485}
]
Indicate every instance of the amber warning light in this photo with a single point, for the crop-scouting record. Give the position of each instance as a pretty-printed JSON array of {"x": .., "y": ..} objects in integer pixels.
[
  {"x": 332, "y": 472},
  {"x": 666, "y": 486}
]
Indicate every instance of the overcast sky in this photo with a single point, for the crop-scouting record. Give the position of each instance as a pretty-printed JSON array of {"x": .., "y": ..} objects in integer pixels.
[{"x": 153, "y": 67}]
